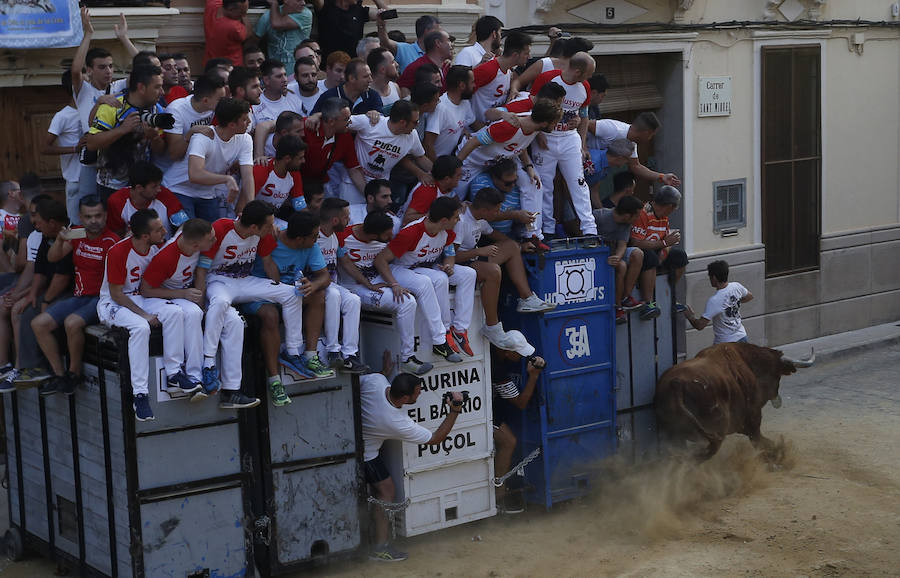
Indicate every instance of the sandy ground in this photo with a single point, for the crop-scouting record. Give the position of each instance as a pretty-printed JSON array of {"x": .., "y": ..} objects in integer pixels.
[{"x": 830, "y": 508}]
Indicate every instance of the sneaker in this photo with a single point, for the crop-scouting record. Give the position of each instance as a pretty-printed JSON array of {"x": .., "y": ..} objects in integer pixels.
[
  {"x": 496, "y": 336},
  {"x": 510, "y": 504},
  {"x": 649, "y": 311},
  {"x": 234, "y": 399},
  {"x": 413, "y": 365},
  {"x": 142, "y": 411},
  {"x": 630, "y": 303},
  {"x": 32, "y": 376},
  {"x": 50, "y": 386},
  {"x": 69, "y": 383},
  {"x": 279, "y": 397},
  {"x": 621, "y": 316},
  {"x": 181, "y": 381},
  {"x": 6, "y": 370},
  {"x": 318, "y": 369},
  {"x": 680, "y": 307},
  {"x": 211, "y": 383},
  {"x": 534, "y": 304},
  {"x": 296, "y": 364},
  {"x": 462, "y": 341},
  {"x": 353, "y": 364},
  {"x": 8, "y": 384},
  {"x": 539, "y": 244},
  {"x": 451, "y": 343},
  {"x": 335, "y": 359},
  {"x": 384, "y": 553},
  {"x": 446, "y": 352}
]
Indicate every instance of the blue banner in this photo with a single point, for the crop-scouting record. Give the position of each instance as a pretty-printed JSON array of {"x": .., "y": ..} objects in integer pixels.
[{"x": 40, "y": 24}]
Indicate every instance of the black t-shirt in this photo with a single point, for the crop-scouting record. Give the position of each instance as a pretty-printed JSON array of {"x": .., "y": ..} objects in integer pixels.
[
  {"x": 607, "y": 203},
  {"x": 341, "y": 29},
  {"x": 42, "y": 266}
]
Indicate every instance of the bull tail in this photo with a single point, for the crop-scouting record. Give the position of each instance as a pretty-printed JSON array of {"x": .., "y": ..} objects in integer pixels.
[{"x": 691, "y": 417}]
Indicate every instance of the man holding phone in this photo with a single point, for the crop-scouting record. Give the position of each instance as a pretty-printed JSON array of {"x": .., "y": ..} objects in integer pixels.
[
  {"x": 344, "y": 20},
  {"x": 88, "y": 246}
]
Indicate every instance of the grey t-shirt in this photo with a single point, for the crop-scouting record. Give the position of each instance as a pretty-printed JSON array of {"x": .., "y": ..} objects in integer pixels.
[{"x": 609, "y": 230}]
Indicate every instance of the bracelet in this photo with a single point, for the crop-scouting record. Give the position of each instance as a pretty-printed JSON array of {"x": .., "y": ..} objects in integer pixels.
[
  {"x": 528, "y": 166},
  {"x": 660, "y": 177}
]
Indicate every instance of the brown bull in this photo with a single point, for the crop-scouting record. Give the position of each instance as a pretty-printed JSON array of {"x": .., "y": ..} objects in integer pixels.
[{"x": 720, "y": 392}]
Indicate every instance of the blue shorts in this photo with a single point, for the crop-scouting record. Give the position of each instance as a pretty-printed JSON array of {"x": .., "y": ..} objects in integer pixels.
[
  {"x": 628, "y": 252},
  {"x": 252, "y": 308},
  {"x": 84, "y": 307}
]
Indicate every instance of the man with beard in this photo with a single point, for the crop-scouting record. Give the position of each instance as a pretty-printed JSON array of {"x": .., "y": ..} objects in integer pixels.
[
  {"x": 487, "y": 42},
  {"x": 275, "y": 97},
  {"x": 355, "y": 89},
  {"x": 305, "y": 85},
  {"x": 438, "y": 50},
  {"x": 385, "y": 73},
  {"x": 453, "y": 116},
  {"x": 493, "y": 78},
  {"x": 244, "y": 85}
]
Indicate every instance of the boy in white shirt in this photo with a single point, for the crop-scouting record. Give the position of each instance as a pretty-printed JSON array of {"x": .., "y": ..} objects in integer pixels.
[
  {"x": 723, "y": 309},
  {"x": 210, "y": 159}
]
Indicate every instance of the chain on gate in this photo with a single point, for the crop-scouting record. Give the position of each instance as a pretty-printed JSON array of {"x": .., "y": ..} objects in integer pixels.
[
  {"x": 518, "y": 468},
  {"x": 391, "y": 509}
]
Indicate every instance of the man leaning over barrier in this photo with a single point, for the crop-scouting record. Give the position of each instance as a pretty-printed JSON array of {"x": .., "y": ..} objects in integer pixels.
[{"x": 384, "y": 418}]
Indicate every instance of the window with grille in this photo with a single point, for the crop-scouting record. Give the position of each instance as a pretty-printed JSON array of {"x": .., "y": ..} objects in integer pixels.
[{"x": 729, "y": 198}]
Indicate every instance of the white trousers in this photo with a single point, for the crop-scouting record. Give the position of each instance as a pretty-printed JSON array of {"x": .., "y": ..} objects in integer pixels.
[
  {"x": 341, "y": 306},
  {"x": 530, "y": 195},
  {"x": 383, "y": 300},
  {"x": 222, "y": 292},
  {"x": 425, "y": 288},
  {"x": 114, "y": 315},
  {"x": 192, "y": 315},
  {"x": 563, "y": 151},
  {"x": 463, "y": 279}
]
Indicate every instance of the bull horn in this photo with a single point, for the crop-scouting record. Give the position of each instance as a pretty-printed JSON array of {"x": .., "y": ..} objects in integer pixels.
[{"x": 800, "y": 363}]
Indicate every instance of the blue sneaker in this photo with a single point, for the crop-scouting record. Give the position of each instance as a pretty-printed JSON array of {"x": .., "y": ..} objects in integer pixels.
[
  {"x": 209, "y": 386},
  {"x": 142, "y": 411},
  {"x": 295, "y": 363},
  {"x": 182, "y": 382}
]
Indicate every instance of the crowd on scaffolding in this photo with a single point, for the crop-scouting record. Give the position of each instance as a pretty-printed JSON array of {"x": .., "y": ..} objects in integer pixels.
[{"x": 305, "y": 179}]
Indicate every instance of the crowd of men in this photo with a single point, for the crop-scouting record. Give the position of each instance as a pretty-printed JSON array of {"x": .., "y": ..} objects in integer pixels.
[{"x": 307, "y": 181}]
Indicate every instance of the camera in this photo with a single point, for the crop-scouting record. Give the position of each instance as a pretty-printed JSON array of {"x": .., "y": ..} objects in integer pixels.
[
  {"x": 388, "y": 14},
  {"x": 162, "y": 120},
  {"x": 448, "y": 398},
  {"x": 536, "y": 361},
  {"x": 87, "y": 157}
]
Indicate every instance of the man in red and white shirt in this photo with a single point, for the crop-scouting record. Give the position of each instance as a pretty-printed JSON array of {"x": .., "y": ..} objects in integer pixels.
[
  {"x": 280, "y": 180},
  {"x": 121, "y": 305},
  {"x": 446, "y": 172},
  {"x": 501, "y": 140},
  {"x": 341, "y": 305},
  {"x": 170, "y": 276},
  {"x": 224, "y": 274},
  {"x": 421, "y": 259},
  {"x": 361, "y": 244},
  {"x": 566, "y": 147},
  {"x": 88, "y": 246},
  {"x": 492, "y": 78},
  {"x": 145, "y": 192}
]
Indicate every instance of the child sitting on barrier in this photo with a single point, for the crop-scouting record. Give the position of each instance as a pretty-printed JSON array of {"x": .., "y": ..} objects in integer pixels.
[{"x": 614, "y": 228}]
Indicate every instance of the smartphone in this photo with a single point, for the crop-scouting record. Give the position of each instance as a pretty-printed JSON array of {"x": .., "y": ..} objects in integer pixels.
[
  {"x": 388, "y": 14},
  {"x": 80, "y": 233}
]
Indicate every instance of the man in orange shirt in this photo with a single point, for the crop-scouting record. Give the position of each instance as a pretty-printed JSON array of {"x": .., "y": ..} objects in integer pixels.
[{"x": 226, "y": 29}]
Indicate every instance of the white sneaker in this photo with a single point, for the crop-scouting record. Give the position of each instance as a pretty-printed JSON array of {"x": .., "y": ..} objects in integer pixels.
[
  {"x": 497, "y": 336},
  {"x": 534, "y": 304}
]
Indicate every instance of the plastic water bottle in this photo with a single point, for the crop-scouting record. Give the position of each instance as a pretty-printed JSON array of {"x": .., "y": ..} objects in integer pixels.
[{"x": 298, "y": 283}]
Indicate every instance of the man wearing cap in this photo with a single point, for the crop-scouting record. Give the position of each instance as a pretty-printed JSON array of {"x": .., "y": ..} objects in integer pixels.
[
  {"x": 509, "y": 397},
  {"x": 652, "y": 234},
  {"x": 384, "y": 418}
]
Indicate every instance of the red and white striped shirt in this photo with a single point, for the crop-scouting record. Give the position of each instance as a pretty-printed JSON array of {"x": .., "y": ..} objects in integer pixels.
[
  {"x": 491, "y": 87},
  {"x": 125, "y": 267},
  {"x": 233, "y": 255},
  {"x": 362, "y": 254},
  {"x": 499, "y": 141},
  {"x": 171, "y": 268},
  {"x": 413, "y": 245},
  {"x": 120, "y": 210},
  {"x": 275, "y": 190}
]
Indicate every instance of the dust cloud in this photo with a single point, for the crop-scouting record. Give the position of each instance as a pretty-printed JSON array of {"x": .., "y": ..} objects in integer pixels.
[{"x": 662, "y": 499}]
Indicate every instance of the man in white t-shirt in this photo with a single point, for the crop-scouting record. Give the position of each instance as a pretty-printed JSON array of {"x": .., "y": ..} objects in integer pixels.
[
  {"x": 211, "y": 158},
  {"x": 639, "y": 132},
  {"x": 275, "y": 97},
  {"x": 453, "y": 118},
  {"x": 723, "y": 309},
  {"x": 63, "y": 138},
  {"x": 383, "y": 145},
  {"x": 383, "y": 418},
  {"x": 385, "y": 73},
  {"x": 487, "y": 31},
  {"x": 305, "y": 85}
]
